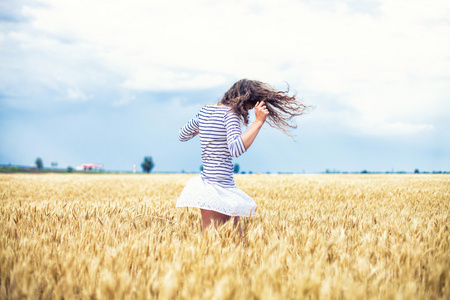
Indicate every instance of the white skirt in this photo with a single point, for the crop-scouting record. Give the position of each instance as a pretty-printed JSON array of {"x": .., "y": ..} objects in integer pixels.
[{"x": 229, "y": 201}]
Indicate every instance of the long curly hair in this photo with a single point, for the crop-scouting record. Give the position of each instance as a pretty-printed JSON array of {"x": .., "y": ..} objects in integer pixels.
[{"x": 282, "y": 108}]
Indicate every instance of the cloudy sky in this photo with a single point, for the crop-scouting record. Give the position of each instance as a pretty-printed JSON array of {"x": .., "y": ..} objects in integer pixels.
[{"x": 113, "y": 81}]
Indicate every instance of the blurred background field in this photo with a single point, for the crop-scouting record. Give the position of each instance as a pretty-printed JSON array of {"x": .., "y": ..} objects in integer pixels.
[{"x": 327, "y": 236}]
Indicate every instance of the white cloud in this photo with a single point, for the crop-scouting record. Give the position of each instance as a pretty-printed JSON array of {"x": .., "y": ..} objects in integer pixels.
[
  {"x": 76, "y": 95},
  {"x": 387, "y": 61},
  {"x": 166, "y": 79}
]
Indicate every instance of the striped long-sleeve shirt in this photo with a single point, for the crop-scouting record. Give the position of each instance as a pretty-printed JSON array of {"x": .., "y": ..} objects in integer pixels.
[{"x": 220, "y": 137}]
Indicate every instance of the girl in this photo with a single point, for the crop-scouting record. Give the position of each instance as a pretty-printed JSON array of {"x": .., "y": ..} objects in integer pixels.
[{"x": 214, "y": 191}]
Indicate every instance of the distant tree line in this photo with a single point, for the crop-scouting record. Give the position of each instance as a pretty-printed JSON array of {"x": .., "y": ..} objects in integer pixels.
[{"x": 148, "y": 165}]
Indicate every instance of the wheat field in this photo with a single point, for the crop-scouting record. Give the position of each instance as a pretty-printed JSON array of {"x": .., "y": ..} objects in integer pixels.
[{"x": 119, "y": 236}]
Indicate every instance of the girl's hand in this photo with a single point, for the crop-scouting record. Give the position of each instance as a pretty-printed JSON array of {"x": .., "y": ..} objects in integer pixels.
[{"x": 261, "y": 112}]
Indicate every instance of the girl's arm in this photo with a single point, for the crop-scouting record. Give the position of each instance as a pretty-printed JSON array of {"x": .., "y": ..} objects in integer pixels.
[
  {"x": 238, "y": 143},
  {"x": 189, "y": 130},
  {"x": 234, "y": 140},
  {"x": 261, "y": 113}
]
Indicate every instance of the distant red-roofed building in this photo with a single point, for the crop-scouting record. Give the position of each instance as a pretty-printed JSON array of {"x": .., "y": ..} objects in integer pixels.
[{"x": 90, "y": 167}]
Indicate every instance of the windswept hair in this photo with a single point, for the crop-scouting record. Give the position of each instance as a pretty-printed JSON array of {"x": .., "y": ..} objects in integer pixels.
[{"x": 282, "y": 107}]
